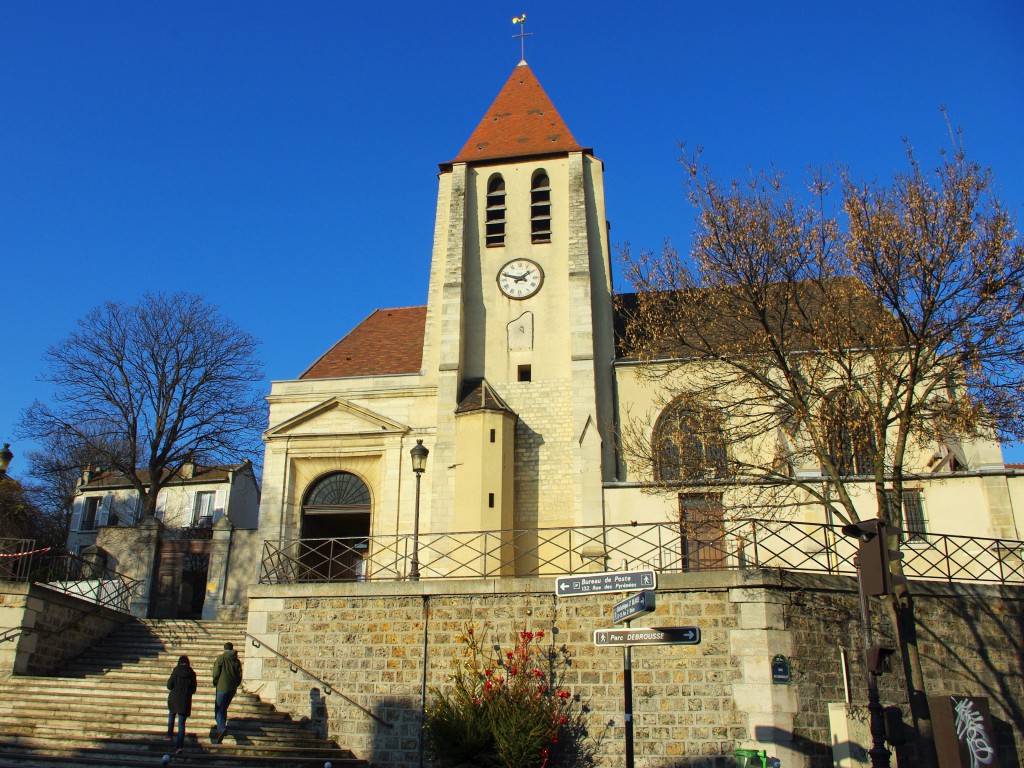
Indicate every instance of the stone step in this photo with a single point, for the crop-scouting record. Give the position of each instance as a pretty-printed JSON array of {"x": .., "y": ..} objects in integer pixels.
[
  {"x": 108, "y": 709},
  {"x": 192, "y": 757},
  {"x": 122, "y": 738}
]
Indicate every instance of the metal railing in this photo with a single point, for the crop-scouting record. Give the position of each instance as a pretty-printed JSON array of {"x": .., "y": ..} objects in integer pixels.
[
  {"x": 16, "y": 558},
  {"x": 72, "y": 575},
  {"x": 666, "y": 547},
  {"x": 329, "y": 689}
]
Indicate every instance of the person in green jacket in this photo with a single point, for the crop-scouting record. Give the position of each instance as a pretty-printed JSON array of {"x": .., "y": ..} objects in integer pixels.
[{"x": 227, "y": 676}]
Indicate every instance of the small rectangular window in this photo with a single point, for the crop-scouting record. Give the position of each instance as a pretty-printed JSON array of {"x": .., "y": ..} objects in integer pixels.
[
  {"x": 92, "y": 504},
  {"x": 490, "y": 500},
  {"x": 525, "y": 373},
  {"x": 203, "y": 514},
  {"x": 492, "y": 435},
  {"x": 915, "y": 526}
]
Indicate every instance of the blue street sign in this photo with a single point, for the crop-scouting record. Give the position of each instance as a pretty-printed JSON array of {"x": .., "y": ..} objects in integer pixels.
[
  {"x": 635, "y": 605},
  {"x": 648, "y": 636},
  {"x": 597, "y": 583}
]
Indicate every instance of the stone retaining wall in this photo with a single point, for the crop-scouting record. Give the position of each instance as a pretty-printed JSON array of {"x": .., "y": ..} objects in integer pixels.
[
  {"x": 56, "y": 628},
  {"x": 693, "y": 705}
]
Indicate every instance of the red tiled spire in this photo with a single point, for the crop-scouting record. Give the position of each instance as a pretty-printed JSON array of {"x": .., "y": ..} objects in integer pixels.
[{"x": 521, "y": 121}]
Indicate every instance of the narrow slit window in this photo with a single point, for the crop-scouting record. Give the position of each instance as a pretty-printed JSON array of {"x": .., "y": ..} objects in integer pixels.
[
  {"x": 495, "y": 224},
  {"x": 492, "y": 435},
  {"x": 540, "y": 208},
  {"x": 490, "y": 500}
]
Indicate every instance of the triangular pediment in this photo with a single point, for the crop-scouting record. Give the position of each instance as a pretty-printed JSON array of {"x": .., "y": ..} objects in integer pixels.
[{"x": 336, "y": 416}]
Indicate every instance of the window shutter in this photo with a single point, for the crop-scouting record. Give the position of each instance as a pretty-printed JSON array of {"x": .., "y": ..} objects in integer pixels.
[
  {"x": 76, "y": 514},
  {"x": 104, "y": 511},
  {"x": 190, "y": 511},
  {"x": 218, "y": 506},
  {"x": 135, "y": 507},
  {"x": 161, "y": 503}
]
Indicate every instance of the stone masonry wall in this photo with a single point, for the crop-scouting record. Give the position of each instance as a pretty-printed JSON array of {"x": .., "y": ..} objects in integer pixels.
[
  {"x": 693, "y": 705},
  {"x": 60, "y": 627}
]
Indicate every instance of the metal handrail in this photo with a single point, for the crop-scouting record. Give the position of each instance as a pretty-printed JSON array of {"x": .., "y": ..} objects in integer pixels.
[
  {"x": 328, "y": 688},
  {"x": 667, "y": 547}
]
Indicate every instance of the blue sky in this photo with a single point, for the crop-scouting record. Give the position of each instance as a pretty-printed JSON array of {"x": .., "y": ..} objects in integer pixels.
[{"x": 281, "y": 157}]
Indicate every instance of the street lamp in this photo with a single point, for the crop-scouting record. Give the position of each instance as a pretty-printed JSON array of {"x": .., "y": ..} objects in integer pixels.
[
  {"x": 6, "y": 454},
  {"x": 418, "y": 453}
]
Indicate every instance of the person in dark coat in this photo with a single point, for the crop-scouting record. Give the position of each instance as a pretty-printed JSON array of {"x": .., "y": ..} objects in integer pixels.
[
  {"x": 181, "y": 684},
  {"x": 227, "y": 676}
]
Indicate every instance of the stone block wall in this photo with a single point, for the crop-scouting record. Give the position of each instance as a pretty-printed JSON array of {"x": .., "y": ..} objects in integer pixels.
[
  {"x": 57, "y": 628},
  {"x": 386, "y": 645}
]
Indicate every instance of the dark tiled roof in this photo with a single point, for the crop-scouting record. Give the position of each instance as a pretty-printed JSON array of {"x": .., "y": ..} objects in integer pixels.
[
  {"x": 522, "y": 121},
  {"x": 478, "y": 395},
  {"x": 110, "y": 479},
  {"x": 855, "y": 318},
  {"x": 389, "y": 341}
]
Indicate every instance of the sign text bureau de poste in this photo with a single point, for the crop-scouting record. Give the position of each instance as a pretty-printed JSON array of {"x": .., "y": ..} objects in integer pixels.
[{"x": 597, "y": 583}]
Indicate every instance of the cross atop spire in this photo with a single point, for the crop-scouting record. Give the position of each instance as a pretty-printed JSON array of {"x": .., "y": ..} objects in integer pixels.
[{"x": 523, "y": 34}]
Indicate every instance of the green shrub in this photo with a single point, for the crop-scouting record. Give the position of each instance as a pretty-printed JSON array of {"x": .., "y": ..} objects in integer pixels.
[{"x": 509, "y": 710}]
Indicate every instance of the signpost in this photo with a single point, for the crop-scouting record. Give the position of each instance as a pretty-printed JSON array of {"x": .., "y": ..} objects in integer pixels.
[
  {"x": 642, "y": 584},
  {"x": 648, "y": 636},
  {"x": 598, "y": 583},
  {"x": 635, "y": 605}
]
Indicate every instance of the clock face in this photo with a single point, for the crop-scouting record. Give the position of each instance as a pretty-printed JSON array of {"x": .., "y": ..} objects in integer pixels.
[{"x": 520, "y": 278}]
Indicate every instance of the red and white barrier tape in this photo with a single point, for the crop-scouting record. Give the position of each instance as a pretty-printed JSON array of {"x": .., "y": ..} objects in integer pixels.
[{"x": 33, "y": 552}]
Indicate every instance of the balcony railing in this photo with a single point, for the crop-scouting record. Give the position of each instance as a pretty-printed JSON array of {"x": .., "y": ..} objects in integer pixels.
[{"x": 666, "y": 547}]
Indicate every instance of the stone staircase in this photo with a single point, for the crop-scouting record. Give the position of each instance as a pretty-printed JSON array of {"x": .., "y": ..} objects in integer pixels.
[{"x": 108, "y": 709}]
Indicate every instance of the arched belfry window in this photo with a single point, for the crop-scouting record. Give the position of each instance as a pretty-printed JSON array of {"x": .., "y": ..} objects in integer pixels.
[
  {"x": 848, "y": 434},
  {"x": 688, "y": 445},
  {"x": 495, "y": 224},
  {"x": 540, "y": 208}
]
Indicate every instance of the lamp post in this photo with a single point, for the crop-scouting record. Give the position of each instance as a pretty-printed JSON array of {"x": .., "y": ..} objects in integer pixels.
[
  {"x": 418, "y": 453},
  {"x": 6, "y": 454}
]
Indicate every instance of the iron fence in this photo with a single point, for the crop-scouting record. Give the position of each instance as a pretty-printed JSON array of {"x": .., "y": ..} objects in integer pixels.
[
  {"x": 666, "y": 547},
  {"x": 67, "y": 573},
  {"x": 16, "y": 558}
]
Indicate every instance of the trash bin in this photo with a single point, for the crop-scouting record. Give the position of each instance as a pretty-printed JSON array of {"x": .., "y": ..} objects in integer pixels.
[{"x": 751, "y": 758}]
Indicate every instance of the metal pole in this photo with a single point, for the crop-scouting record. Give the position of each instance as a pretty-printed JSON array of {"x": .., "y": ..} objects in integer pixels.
[
  {"x": 414, "y": 563},
  {"x": 627, "y": 683}
]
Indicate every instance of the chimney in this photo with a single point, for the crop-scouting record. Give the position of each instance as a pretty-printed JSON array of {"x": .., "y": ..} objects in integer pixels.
[{"x": 188, "y": 469}]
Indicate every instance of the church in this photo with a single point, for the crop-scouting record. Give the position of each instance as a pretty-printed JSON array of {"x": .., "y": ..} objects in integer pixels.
[{"x": 513, "y": 379}]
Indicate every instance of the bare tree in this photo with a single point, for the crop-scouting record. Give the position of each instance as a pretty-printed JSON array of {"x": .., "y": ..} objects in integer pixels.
[
  {"x": 850, "y": 348},
  {"x": 55, "y": 470},
  {"x": 142, "y": 389}
]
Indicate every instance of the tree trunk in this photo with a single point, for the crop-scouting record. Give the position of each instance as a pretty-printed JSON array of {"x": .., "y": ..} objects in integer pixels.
[{"x": 901, "y": 614}]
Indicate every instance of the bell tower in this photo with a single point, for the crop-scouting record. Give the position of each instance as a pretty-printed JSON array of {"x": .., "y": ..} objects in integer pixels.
[{"x": 520, "y": 309}]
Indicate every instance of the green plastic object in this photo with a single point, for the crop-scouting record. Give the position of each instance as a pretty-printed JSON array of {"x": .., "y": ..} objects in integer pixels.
[{"x": 751, "y": 758}]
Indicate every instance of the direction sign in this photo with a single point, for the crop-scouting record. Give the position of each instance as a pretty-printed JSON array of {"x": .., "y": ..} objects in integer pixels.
[
  {"x": 635, "y": 605},
  {"x": 648, "y": 636},
  {"x": 597, "y": 583}
]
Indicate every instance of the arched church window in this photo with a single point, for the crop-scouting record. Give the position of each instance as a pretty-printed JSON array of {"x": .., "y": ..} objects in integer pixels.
[
  {"x": 688, "y": 445},
  {"x": 338, "y": 492},
  {"x": 495, "y": 224},
  {"x": 849, "y": 436},
  {"x": 540, "y": 208}
]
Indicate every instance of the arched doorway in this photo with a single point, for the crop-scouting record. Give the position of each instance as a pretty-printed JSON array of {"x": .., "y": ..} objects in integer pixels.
[{"x": 336, "y": 527}]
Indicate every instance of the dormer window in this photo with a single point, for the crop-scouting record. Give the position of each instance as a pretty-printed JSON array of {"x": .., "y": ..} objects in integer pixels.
[
  {"x": 540, "y": 208},
  {"x": 495, "y": 225}
]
